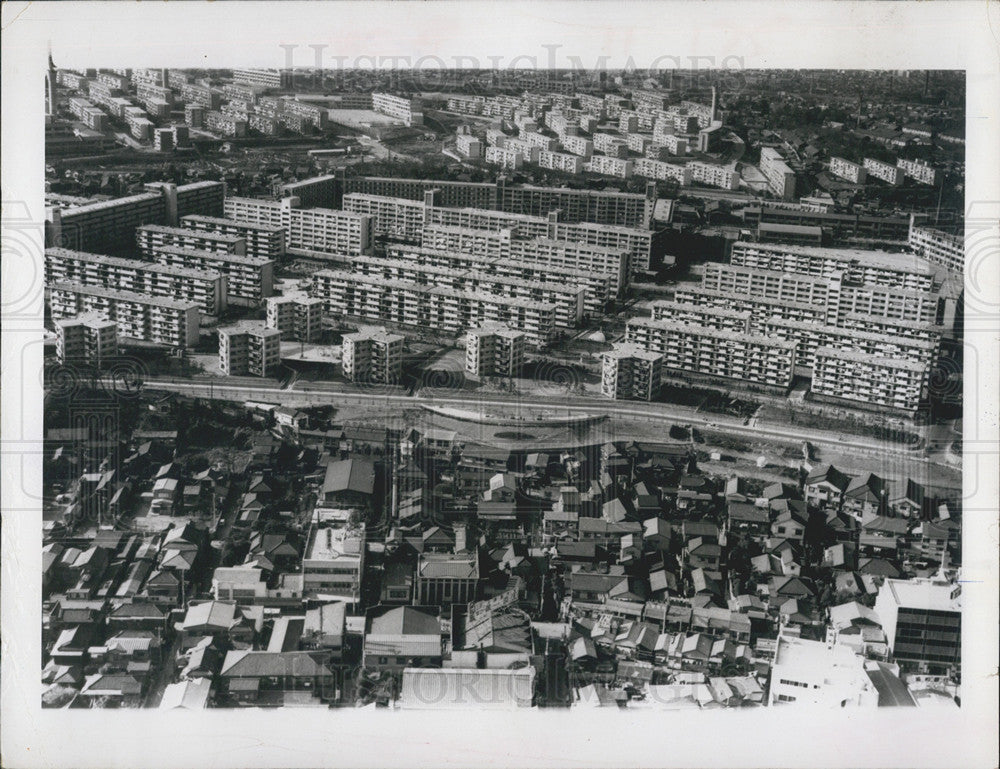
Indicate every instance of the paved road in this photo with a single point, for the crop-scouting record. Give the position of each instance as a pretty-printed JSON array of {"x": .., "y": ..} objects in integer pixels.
[{"x": 667, "y": 413}]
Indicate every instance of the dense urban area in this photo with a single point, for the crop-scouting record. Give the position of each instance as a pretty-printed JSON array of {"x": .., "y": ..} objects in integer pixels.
[{"x": 503, "y": 389}]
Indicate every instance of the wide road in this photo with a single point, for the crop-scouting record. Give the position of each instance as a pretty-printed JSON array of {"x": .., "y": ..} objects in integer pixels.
[{"x": 665, "y": 412}]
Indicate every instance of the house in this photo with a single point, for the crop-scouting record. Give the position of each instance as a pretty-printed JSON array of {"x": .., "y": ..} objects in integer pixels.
[
  {"x": 406, "y": 636},
  {"x": 699, "y": 554},
  {"x": 865, "y": 498},
  {"x": 825, "y": 487},
  {"x": 397, "y": 583},
  {"x": 122, "y": 689},
  {"x": 914, "y": 502},
  {"x": 736, "y": 490},
  {"x": 502, "y": 488},
  {"x": 238, "y": 583},
  {"x": 187, "y": 695},
  {"x": 267, "y": 678},
  {"x": 934, "y": 538},
  {"x": 605, "y": 533},
  {"x": 748, "y": 518},
  {"x": 594, "y": 587},
  {"x": 789, "y": 525},
  {"x": 216, "y": 618},
  {"x": 349, "y": 482}
]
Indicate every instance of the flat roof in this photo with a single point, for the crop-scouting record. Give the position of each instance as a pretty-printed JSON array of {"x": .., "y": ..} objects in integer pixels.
[
  {"x": 222, "y": 221},
  {"x": 902, "y": 262},
  {"x": 923, "y": 594},
  {"x": 126, "y": 296},
  {"x": 335, "y": 543},
  {"x": 183, "y": 232},
  {"x": 683, "y": 328},
  {"x": 821, "y": 328},
  {"x": 221, "y": 256},
  {"x": 137, "y": 264},
  {"x": 875, "y": 360}
]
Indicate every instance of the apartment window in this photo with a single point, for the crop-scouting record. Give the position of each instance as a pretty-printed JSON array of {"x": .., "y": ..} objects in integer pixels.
[{"x": 785, "y": 698}]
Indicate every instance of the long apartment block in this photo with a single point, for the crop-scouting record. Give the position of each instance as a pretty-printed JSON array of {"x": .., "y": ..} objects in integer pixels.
[
  {"x": 868, "y": 381},
  {"x": 812, "y": 336},
  {"x": 208, "y": 288},
  {"x": 264, "y": 241},
  {"x": 909, "y": 329},
  {"x": 152, "y": 237},
  {"x": 760, "y": 308},
  {"x": 249, "y": 280},
  {"x": 871, "y": 267},
  {"x": 401, "y": 219},
  {"x": 721, "y": 318},
  {"x": 845, "y": 169},
  {"x": 566, "y": 297},
  {"x": 886, "y": 172},
  {"x": 146, "y": 318},
  {"x": 941, "y": 248},
  {"x": 838, "y": 296},
  {"x": 714, "y": 353},
  {"x": 443, "y": 309},
  {"x": 597, "y": 286},
  {"x": 544, "y": 252}
]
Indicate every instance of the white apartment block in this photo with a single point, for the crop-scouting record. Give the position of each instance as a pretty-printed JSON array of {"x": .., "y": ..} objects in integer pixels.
[
  {"x": 543, "y": 142},
  {"x": 91, "y": 116},
  {"x": 249, "y": 347},
  {"x": 494, "y": 350},
  {"x": 508, "y": 159},
  {"x": 495, "y": 137},
  {"x": 630, "y": 372},
  {"x": 919, "y": 170},
  {"x": 151, "y": 237},
  {"x": 224, "y": 124},
  {"x": 561, "y": 161},
  {"x": 139, "y": 126},
  {"x": 393, "y": 218},
  {"x": 885, "y": 171},
  {"x": 814, "y": 673},
  {"x": 813, "y": 336},
  {"x": 845, "y": 169},
  {"x": 313, "y": 114},
  {"x": 772, "y": 284},
  {"x": 444, "y": 309},
  {"x": 466, "y": 105},
  {"x": 870, "y": 267},
  {"x": 780, "y": 177},
  {"x": 263, "y": 241},
  {"x": 208, "y": 288},
  {"x": 638, "y": 142},
  {"x": 638, "y": 243},
  {"x": 716, "y": 353},
  {"x": 372, "y": 355},
  {"x": 331, "y": 231},
  {"x": 609, "y": 166},
  {"x": 298, "y": 318},
  {"x": 902, "y": 329},
  {"x": 892, "y": 303},
  {"x": 249, "y": 280},
  {"x": 577, "y": 145},
  {"x": 267, "y": 213},
  {"x": 610, "y": 144},
  {"x": 868, "y": 380},
  {"x": 561, "y": 124},
  {"x": 528, "y": 151},
  {"x": 938, "y": 247},
  {"x": 88, "y": 338},
  {"x": 137, "y": 316},
  {"x": 410, "y": 111},
  {"x": 265, "y": 78},
  {"x": 714, "y": 175},
  {"x": 760, "y": 308},
  {"x": 706, "y": 315},
  {"x": 567, "y": 298},
  {"x": 657, "y": 169},
  {"x": 469, "y": 146},
  {"x": 490, "y": 252}
]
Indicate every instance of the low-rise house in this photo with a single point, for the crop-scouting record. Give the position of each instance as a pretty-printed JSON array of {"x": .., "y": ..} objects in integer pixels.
[
  {"x": 748, "y": 518},
  {"x": 219, "y": 619},
  {"x": 187, "y": 695},
  {"x": 825, "y": 487},
  {"x": 122, "y": 689},
  {"x": 865, "y": 498},
  {"x": 406, "y": 636},
  {"x": 266, "y": 678}
]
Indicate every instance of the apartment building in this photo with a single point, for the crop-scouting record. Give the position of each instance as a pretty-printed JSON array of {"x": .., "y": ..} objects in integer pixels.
[
  {"x": 193, "y": 94},
  {"x": 312, "y": 114},
  {"x": 845, "y": 169},
  {"x": 466, "y": 105},
  {"x": 249, "y": 280},
  {"x": 372, "y": 355},
  {"x": 560, "y": 161},
  {"x": 208, "y": 288},
  {"x": 148, "y": 318},
  {"x": 918, "y": 170},
  {"x": 870, "y": 267},
  {"x": 194, "y": 115},
  {"x": 837, "y": 228},
  {"x": 299, "y": 318},
  {"x": 139, "y": 126},
  {"x": 261, "y": 241},
  {"x": 330, "y": 231},
  {"x": 527, "y": 150},
  {"x": 576, "y": 256},
  {"x": 508, "y": 159},
  {"x": 780, "y": 177},
  {"x": 609, "y": 166},
  {"x": 891, "y": 303},
  {"x": 409, "y": 110},
  {"x": 715, "y": 353},
  {"x": 813, "y": 336},
  {"x": 152, "y": 237},
  {"x": 540, "y": 140},
  {"x": 469, "y": 146},
  {"x": 868, "y": 381},
  {"x": 494, "y": 349},
  {"x": 705, "y": 315},
  {"x": 494, "y": 258},
  {"x": 630, "y": 372},
  {"x": 576, "y": 145},
  {"x": 91, "y": 116},
  {"x": 939, "y": 247},
  {"x": 444, "y": 309},
  {"x": 657, "y": 169},
  {"x": 224, "y": 124},
  {"x": 265, "y": 78},
  {"x": 922, "y": 620},
  {"x": 88, "y": 338},
  {"x": 249, "y": 347},
  {"x": 892, "y": 327},
  {"x": 772, "y": 284},
  {"x": 886, "y": 172},
  {"x": 567, "y": 298},
  {"x": 714, "y": 175},
  {"x": 610, "y": 144},
  {"x": 638, "y": 143},
  {"x": 334, "y": 559},
  {"x": 392, "y": 218},
  {"x": 760, "y": 308}
]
